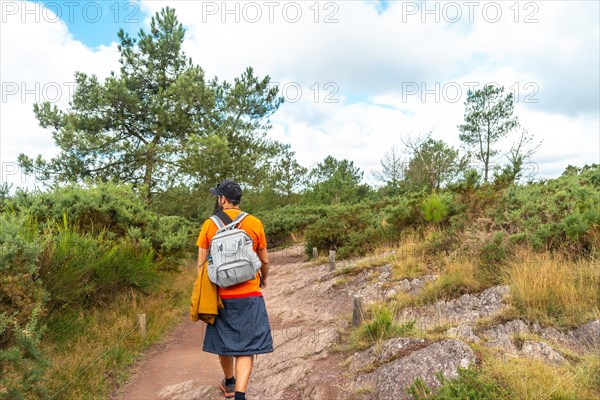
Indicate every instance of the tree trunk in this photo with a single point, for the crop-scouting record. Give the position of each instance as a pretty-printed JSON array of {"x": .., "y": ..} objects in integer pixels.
[{"x": 148, "y": 173}]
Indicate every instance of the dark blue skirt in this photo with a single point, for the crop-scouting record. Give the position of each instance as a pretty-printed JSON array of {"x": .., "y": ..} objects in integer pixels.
[{"x": 241, "y": 328}]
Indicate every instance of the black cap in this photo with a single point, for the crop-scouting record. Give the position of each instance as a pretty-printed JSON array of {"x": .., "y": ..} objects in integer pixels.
[{"x": 228, "y": 188}]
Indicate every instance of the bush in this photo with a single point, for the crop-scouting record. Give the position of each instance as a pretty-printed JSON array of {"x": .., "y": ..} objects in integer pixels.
[
  {"x": 116, "y": 211},
  {"x": 21, "y": 301},
  {"x": 557, "y": 214},
  {"x": 350, "y": 230},
  {"x": 494, "y": 252},
  {"x": 434, "y": 210},
  {"x": 78, "y": 268},
  {"x": 281, "y": 223}
]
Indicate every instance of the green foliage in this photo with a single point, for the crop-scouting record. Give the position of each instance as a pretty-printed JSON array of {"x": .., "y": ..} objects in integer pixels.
[
  {"x": 434, "y": 210},
  {"x": 280, "y": 223},
  {"x": 557, "y": 214},
  {"x": 159, "y": 122},
  {"x": 469, "y": 385},
  {"x": 336, "y": 181},
  {"x": 433, "y": 165},
  {"x": 404, "y": 212},
  {"x": 79, "y": 269},
  {"x": 493, "y": 253},
  {"x": 21, "y": 301},
  {"x": 116, "y": 211},
  {"x": 488, "y": 118},
  {"x": 351, "y": 230},
  {"x": 382, "y": 326}
]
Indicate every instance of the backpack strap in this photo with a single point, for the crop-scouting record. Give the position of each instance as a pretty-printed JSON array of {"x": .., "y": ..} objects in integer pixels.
[
  {"x": 235, "y": 222},
  {"x": 224, "y": 217},
  {"x": 221, "y": 219}
]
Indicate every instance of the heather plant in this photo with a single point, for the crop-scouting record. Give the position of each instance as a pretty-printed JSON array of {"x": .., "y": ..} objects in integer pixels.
[{"x": 21, "y": 306}]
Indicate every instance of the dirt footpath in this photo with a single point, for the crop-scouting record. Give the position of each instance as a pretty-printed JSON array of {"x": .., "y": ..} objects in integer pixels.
[{"x": 179, "y": 357}]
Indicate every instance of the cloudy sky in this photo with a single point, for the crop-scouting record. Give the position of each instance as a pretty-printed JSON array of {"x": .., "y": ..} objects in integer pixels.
[{"x": 357, "y": 76}]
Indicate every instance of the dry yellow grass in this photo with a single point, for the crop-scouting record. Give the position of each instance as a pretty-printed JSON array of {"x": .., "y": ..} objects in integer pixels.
[
  {"x": 457, "y": 277},
  {"x": 553, "y": 290},
  {"x": 531, "y": 379},
  {"x": 89, "y": 363}
]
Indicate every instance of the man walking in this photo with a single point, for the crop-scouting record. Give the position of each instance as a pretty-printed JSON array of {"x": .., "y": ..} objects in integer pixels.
[{"x": 241, "y": 329}]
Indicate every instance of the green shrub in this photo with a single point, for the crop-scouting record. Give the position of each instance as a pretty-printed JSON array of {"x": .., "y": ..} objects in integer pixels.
[
  {"x": 494, "y": 252},
  {"x": 350, "y": 230},
  {"x": 434, "y": 209},
  {"x": 404, "y": 212},
  {"x": 555, "y": 214},
  {"x": 78, "y": 268},
  {"x": 116, "y": 211},
  {"x": 469, "y": 385},
  {"x": 282, "y": 222},
  {"x": 21, "y": 305}
]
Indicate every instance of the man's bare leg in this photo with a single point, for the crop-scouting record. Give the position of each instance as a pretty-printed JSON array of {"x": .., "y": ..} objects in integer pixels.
[
  {"x": 227, "y": 365},
  {"x": 243, "y": 369}
]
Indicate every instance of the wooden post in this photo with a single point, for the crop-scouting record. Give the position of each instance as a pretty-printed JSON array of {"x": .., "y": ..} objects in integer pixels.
[
  {"x": 357, "y": 310},
  {"x": 141, "y": 319},
  {"x": 331, "y": 260},
  {"x": 315, "y": 253}
]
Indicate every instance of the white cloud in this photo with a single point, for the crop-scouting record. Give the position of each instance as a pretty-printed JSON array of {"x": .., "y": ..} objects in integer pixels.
[
  {"x": 543, "y": 51},
  {"x": 372, "y": 59},
  {"x": 39, "y": 60}
]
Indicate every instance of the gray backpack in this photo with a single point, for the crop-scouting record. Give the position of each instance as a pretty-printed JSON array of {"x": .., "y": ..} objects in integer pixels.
[{"x": 231, "y": 258}]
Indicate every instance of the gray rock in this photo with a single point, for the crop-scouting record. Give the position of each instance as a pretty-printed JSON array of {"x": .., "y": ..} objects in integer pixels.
[
  {"x": 391, "y": 380},
  {"x": 502, "y": 335},
  {"x": 587, "y": 335},
  {"x": 466, "y": 309},
  {"x": 542, "y": 351},
  {"x": 301, "y": 347},
  {"x": 390, "y": 294},
  {"x": 188, "y": 390},
  {"x": 464, "y": 332},
  {"x": 379, "y": 354}
]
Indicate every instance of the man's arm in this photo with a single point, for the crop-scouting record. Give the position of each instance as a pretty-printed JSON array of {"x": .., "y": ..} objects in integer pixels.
[
  {"x": 202, "y": 257},
  {"x": 263, "y": 255}
]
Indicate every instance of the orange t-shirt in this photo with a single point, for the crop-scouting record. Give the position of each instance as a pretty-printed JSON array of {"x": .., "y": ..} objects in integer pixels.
[{"x": 254, "y": 228}]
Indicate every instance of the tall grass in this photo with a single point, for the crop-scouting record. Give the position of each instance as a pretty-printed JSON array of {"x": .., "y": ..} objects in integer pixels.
[
  {"x": 532, "y": 379},
  {"x": 553, "y": 290},
  {"x": 92, "y": 349}
]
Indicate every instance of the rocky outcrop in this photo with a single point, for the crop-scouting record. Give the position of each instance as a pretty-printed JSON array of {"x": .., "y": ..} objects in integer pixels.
[
  {"x": 586, "y": 337},
  {"x": 542, "y": 351},
  {"x": 463, "y": 332},
  {"x": 379, "y": 354},
  {"x": 297, "y": 348},
  {"x": 391, "y": 380},
  {"x": 466, "y": 309},
  {"x": 502, "y": 335},
  {"x": 410, "y": 286}
]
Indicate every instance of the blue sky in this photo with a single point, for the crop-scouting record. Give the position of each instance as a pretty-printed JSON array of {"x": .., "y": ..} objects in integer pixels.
[
  {"x": 96, "y": 23},
  {"x": 394, "y": 65}
]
